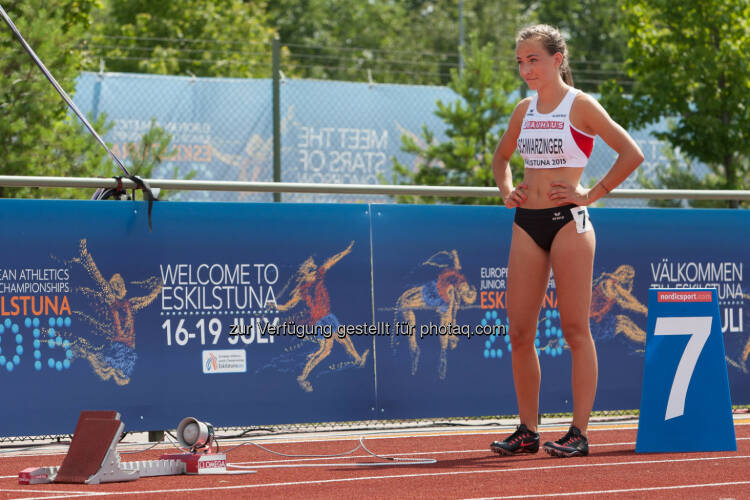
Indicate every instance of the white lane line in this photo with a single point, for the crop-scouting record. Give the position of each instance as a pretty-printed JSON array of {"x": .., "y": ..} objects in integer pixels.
[
  {"x": 629, "y": 490},
  {"x": 75, "y": 494},
  {"x": 402, "y": 476},
  {"x": 58, "y": 492}
]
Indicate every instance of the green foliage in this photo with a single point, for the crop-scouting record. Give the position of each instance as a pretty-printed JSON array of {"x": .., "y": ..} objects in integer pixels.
[
  {"x": 679, "y": 174},
  {"x": 591, "y": 27},
  {"x": 149, "y": 153},
  {"x": 413, "y": 41},
  {"x": 434, "y": 25},
  {"x": 691, "y": 60},
  {"x": 78, "y": 13},
  {"x": 192, "y": 37},
  {"x": 474, "y": 127},
  {"x": 595, "y": 34},
  {"x": 37, "y": 134},
  {"x": 342, "y": 40}
]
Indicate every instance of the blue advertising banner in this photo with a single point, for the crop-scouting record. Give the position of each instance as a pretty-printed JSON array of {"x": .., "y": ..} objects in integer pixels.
[
  {"x": 222, "y": 128},
  {"x": 331, "y": 131},
  {"x": 97, "y": 312},
  {"x": 433, "y": 271},
  {"x": 349, "y": 133},
  {"x": 439, "y": 265},
  {"x": 254, "y": 314}
]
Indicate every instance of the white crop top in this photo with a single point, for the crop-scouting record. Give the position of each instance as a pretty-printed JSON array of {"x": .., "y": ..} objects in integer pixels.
[{"x": 550, "y": 141}]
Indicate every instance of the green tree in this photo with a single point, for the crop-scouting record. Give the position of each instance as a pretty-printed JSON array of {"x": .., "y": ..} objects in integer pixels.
[
  {"x": 435, "y": 26},
  {"x": 691, "y": 61},
  {"x": 680, "y": 174},
  {"x": 414, "y": 41},
  {"x": 474, "y": 127},
  {"x": 152, "y": 150},
  {"x": 343, "y": 40},
  {"x": 38, "y": 136},
  {"x": 595, "y": 34},
  {"x": 229, "y": 38}
]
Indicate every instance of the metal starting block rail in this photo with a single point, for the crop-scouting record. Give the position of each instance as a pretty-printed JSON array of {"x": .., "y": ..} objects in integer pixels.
[{"x": 93, "y": 459}]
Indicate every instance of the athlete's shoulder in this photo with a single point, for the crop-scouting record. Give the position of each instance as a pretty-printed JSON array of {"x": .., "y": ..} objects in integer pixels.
[
  {"x": 589, "y": 115},
  {"x": 586, "y": 102},
  {"x": 520, "y": 111},
  {"x": 523, "y": 105},
  {"x": 585, "y": 99}
]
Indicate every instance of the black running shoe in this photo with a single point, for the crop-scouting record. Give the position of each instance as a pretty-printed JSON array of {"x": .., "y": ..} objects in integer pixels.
[
  {"x": 521, "y": 441},
  {"x": 572, "y": 444}
]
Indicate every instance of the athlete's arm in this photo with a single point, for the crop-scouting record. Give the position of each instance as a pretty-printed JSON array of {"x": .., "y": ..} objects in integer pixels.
[
  {"x": 141, "y": 302},
  {"x": 456, "y": 263},
  {"x": 334, "y": 259},
  {"x": 595, "y": 120},
  {"x": 292, "y": 302},
  {"x": 90, "y": 266},
  {"x": 626, "y": 300},
  {"x": 501, "y": 159}
]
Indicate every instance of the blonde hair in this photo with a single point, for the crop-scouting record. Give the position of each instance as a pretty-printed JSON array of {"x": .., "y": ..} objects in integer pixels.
[
  {"x": 553, "y": 41},
  {"x": 306, "y": 268}
]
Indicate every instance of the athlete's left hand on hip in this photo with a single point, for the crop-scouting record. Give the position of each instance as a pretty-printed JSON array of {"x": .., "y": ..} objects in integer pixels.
[{"x": 563, "y": 193}]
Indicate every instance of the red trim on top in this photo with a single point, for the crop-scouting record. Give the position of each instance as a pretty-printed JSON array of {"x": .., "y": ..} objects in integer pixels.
[{"x": 585, "y": 142}]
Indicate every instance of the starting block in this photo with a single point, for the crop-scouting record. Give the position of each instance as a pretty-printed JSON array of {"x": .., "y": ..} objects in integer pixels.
[{"x": 93, "y": 459}]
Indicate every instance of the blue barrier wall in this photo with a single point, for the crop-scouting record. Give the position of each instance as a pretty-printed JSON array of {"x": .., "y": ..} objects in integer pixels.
[{"x": 98, "y": 312}]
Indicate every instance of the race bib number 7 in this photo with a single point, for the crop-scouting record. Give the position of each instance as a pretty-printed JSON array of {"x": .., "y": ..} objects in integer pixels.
[{"x": 581, "y": 216}]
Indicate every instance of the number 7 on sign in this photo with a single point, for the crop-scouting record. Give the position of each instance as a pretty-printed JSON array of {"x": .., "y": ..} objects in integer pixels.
[{"x": 699, "y": 328}]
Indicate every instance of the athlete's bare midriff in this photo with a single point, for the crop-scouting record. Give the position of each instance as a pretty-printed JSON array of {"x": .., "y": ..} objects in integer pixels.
[{"x": 540, "y": 182}]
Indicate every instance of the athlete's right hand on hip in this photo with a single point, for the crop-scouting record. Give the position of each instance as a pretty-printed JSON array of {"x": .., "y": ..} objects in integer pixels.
[{"x": 517, "y": 197}]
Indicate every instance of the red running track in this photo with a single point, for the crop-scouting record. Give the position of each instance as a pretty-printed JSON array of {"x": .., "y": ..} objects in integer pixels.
[{"x": 465, "y": 468}]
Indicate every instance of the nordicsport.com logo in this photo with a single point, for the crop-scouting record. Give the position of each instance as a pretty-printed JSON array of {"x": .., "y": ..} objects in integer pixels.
[
  {"x": 697, "y": 296},
  {"x": 224, "y": 361}
]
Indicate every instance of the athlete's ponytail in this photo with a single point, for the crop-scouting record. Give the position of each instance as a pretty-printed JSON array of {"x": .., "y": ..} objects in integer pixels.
[
  {"x": 565, "y": 72},
  {"x": 553, "y": 42}
]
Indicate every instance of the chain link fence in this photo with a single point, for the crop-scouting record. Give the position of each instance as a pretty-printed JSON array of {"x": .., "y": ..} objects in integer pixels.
[{"x": 301, "y": 125}]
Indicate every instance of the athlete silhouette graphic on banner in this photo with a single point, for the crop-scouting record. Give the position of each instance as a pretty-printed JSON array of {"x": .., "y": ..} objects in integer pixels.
[
  {"x": 115, "y": 320},
  {"x": 310, "y": 289},
  {"x": 444, "y": 295}
]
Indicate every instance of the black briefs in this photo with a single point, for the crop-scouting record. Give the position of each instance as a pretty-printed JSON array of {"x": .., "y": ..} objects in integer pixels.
[{"x": 543, "y": 224}]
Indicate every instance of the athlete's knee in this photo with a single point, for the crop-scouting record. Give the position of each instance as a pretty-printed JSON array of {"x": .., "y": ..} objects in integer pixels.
[
  {"x": 576, "y": 334},
  {"x": 521, "y": 338}
]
